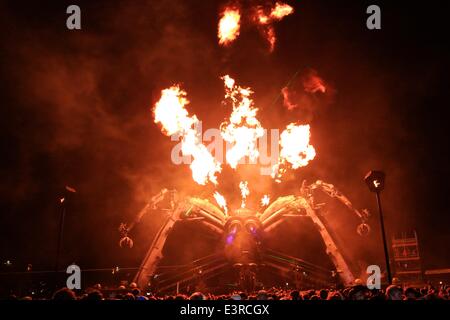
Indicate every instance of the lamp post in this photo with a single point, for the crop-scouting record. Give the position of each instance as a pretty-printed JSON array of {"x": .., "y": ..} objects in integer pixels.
[
  {"x": 67, "y": 191},
  {"x": 375, "y": 181}
]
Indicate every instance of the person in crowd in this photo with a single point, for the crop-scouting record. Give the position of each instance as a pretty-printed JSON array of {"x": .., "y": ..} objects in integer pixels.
[
  {"x": 94, "y": 295},
  {"x": 262, "y": 295},
  {"x": 197, "y": 296},
  {"x": 295, "y": 295},
  {"x": 359, "y": 292},
  {"x": 355, "y": 292},
  {"x": 64, "y": 294},
  {"x": 411, "y": 294},
  {"x": 394, "y": 292},
  {"x": 323, "y": 294}
]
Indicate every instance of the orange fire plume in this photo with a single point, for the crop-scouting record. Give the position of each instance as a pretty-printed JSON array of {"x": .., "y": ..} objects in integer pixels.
[
  {"x": 171, "y": 113},
  {"x": 230, "y": 19},
  {"x": 277, "y": 13},
  {"x": 243, "y": 129},
  {"x": 229, "y": 25},
  {"x": 243, "y": 185},
  {"x": 265, "y": 20},
  {"x": 220, "y": 199},
  {"x": 280, "y": 11},
  {"x": 241, "y": 132},
  {"x": 296, "y": 149}
]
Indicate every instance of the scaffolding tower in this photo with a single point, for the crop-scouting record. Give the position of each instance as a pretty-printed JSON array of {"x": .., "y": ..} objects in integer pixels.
[{"x": 407, "y": 260}]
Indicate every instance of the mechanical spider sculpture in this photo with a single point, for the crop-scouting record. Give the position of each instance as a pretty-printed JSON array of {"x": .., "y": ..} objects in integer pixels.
[{"x": 241, "y": 231}]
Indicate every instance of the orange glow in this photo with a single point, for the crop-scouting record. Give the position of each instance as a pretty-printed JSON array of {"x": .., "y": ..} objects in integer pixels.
[{"x": 229, "y": 26}]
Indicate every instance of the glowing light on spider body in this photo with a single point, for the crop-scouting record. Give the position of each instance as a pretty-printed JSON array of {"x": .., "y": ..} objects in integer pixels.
[
  {"x": 295, "y": 149},
  {"x": 171, "y": 113},
  {"x": 221, "y": 201},
  {"x": 229, "y": 26},
  {"x": 243, "y": 128},
  {"x": 243, "y": 185},
  {"x": 265, "y": 200}
]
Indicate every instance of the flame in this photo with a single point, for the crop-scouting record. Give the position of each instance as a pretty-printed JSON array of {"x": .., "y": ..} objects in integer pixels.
[
  {"x": 229, "y": 26},
  {"x": 295, "y": 149},
  {"x": 270, "y": 37},
  {"x": 243, "y": 185},
  {"x": 221, "y": 201},
  {"x": 261, "y": 16},
  {"x": 281, "y": 10},
  {"x": 243, "y": 129},
  {"x": 277, "y": 13},
  {"x": 241, "y": 132},
  {"x": 171, "y": 113},
  {"x": 265, "y": 200}
]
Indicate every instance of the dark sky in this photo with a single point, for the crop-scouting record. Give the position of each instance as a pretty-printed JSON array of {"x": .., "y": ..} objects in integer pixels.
[{"x": 76, "y": 110}]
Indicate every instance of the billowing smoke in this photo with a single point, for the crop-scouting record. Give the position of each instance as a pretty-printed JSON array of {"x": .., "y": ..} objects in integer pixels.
[{"x": 308, "y": 93}]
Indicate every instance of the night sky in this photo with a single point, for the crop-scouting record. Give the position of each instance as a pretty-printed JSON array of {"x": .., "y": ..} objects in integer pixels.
[{"x": 76, "y": 110}]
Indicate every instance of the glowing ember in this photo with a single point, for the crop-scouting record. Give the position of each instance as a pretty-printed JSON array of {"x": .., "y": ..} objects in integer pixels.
[
  {"x": 171, "y": 113},
  {"x": 229, "y": 26},
  {"x": 243, "y": 185},
  {"x": 295, "y": 149},
  {"x": 265, "y": 200},
  {"x": 221, "y": 201},
  {"x": 243, "y": 129}
]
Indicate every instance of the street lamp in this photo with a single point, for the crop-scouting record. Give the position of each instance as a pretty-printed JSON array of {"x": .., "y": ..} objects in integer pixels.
[
  {"x": 375, "y": 181},
  {"x": 67, "y": 192}
]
